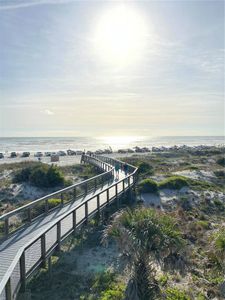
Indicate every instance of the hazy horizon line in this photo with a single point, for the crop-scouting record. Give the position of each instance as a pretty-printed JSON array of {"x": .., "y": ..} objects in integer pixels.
[{"x": 100, "y": 136}]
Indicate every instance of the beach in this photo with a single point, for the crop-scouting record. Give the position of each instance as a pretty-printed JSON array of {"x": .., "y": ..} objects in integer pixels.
[
  {"x": 44, "y": 144},
  {"x": 118, "y": 146},
  {"x": 63, "y": 160}
]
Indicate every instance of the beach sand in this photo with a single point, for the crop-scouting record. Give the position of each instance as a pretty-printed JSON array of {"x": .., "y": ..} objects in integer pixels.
[{"x": 63, "y": 160}]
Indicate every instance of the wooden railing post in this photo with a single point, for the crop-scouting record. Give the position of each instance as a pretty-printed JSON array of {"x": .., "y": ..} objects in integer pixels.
[
  {"x": 58, "y": 248},
  {"x": 86, "y": 212},
  {"x": 23, "y": 272},
  {"x": 123, "y": 185},
  {"x": 62, "y": 198},
  {"x": 8, "y": 290},
  {"x": 134, "y": 182},
  {"x": 107, "y": 196},
  {"x": 129, "y": 181},
  {"x": 6, "y": 227},
  {"x": 46, "y": 206},
  {"x": 43, "y": 251},
  {"x": 98, "y": 204},
  {"x": 74, "y": 221},
  {"x": 117, "y": 198}
]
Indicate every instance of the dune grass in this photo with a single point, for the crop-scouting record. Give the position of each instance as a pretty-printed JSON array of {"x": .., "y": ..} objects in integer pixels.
[{"x": 174, "y": 183}]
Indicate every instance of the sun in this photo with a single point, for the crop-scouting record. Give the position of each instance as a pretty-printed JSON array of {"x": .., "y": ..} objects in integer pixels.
[{"x": 120, "y": 35}]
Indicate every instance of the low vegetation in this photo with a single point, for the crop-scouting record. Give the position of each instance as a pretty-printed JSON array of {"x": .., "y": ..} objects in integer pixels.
[
  {"x": 40, "y": 208},
  {"x": 42, "y": 175},
  {"x": 145, "y": 168},
  {"x": 104, "y": 286},
  {"x": 176, "y": 294},
  {"x": 27, "y": 181},
  {"x": 220, "y": 173},
  {"x": 148, "y": 186},
  {"x": 82, "y": 171},
  {"x": 145, "y": 237},
  {"x": 221, "y": 161},
  {"x": 174, "y": 183}
]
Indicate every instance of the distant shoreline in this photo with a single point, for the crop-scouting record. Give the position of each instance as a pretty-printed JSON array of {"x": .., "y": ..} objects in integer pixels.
[
  {"x": 75, "y": 158},
  {"x": 52, "y": 144}
]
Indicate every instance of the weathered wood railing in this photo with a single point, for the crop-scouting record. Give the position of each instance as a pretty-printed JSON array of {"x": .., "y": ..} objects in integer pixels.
[{"x": 36, "y": 252}]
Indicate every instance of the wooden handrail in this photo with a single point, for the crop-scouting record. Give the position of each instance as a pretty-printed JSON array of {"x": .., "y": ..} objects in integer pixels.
[{"x": 33, "y": 203}]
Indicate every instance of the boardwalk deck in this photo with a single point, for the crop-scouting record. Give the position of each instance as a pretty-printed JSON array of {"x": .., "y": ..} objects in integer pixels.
[{"x": 29, "y": 246}]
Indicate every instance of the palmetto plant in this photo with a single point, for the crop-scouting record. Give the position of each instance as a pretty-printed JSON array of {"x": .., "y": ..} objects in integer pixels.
[{"x": 145, "y": 237}]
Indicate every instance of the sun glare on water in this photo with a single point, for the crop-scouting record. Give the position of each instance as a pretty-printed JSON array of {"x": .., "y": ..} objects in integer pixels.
[
  {"x": 120, "y": 35},
  {"x": 117, "y": 142}
]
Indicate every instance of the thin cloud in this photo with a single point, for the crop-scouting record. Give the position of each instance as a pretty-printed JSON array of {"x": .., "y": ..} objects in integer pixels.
[
  {"x": 5, "y": 5},
  {"x": 48, "y": 112}
]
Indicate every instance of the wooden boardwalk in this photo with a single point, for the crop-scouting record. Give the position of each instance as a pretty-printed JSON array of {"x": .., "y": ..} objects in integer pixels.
[{"x": 26, "y": 249}]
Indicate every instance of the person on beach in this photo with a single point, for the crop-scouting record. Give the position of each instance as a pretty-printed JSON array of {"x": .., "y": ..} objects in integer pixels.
[{"x": 117, "y": 169}]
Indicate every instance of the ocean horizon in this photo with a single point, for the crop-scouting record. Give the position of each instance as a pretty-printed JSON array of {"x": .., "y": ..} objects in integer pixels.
[{"x": 32, "y": 144}]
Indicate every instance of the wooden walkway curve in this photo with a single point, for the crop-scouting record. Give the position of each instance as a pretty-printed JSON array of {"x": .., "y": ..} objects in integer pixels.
[{"x": 26, "y": 246}]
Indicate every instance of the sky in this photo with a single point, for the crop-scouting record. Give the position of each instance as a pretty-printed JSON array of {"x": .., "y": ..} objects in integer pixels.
[{"x": 102, "y": 68}]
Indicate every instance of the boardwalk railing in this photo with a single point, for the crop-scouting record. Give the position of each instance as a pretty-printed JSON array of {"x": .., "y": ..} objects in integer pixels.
[
  {"x": 36, "y": 252},
  {"x": 14, "y": 220}
]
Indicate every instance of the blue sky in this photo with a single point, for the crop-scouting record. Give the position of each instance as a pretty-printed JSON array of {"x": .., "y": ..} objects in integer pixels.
[{"x": 55, "y": 81}]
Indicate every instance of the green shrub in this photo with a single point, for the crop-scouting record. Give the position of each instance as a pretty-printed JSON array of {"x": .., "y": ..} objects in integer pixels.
[
  {"x": 23, "y": 175},
  {"x": 163, "y": 279},
  {"x": 53, "y": 203},
  {"x": 174, "y": 182},
  {"x": 219, "y": 203},
  {"x": 41, "y": 175},
  {"x": 145, "y": 168},
  {"x": 40, "y": 207},
  {"x": 201, "y": 296},
  {"x": 105, "y": 286},
  {"x": 220, "y": 241},
  {"x": 54, "y": 176},
  {"x": 102, "y": 280},
  {"x": 176, "y": 294},
  {"x": 203, "y": 224},
  {"x": 148, "y": 186},
  {"x": 115, "y": 292},
  {"x": 38, "y": 176},
  {"x": 221, "y": 161},
  {"x": 203, "y": 185}
]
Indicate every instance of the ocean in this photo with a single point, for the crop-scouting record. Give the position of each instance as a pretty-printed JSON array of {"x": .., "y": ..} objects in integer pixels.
[{"x": 33, "y": 144}]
